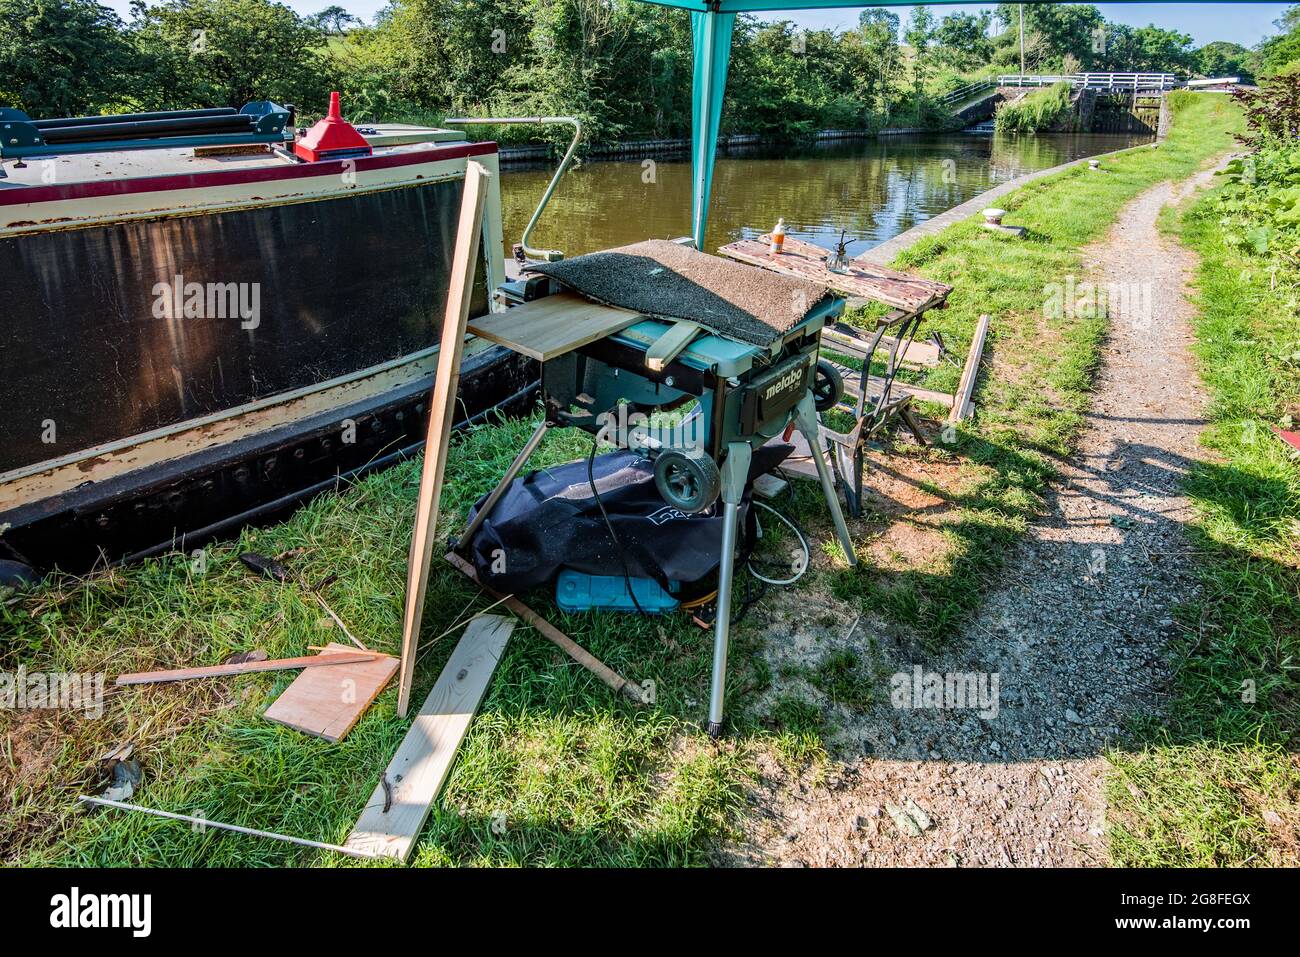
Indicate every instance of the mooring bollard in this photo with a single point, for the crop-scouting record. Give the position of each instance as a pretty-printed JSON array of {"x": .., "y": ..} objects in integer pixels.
[{"x": 993, "y": 223}]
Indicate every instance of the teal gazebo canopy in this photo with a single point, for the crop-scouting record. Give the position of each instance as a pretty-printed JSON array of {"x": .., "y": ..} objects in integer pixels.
[{"x": 712, "y": 22}]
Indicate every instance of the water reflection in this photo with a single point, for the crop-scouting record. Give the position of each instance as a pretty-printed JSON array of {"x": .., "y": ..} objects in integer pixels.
[{"x": 874, "y": 189}]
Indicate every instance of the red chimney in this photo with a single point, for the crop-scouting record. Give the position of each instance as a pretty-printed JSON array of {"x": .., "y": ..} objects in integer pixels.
[{"x": 332, "y": 138}]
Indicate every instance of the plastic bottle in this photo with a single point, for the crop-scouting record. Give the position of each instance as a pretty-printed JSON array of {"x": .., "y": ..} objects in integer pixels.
[{"x": 778, "y": 237}]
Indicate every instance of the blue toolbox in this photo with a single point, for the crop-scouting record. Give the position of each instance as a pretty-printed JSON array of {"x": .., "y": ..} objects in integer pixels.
[{"x": 575, "y": 591}]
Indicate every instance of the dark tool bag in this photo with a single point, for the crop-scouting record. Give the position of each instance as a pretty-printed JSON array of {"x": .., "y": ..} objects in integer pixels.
[{"x": 548, "y": 520}]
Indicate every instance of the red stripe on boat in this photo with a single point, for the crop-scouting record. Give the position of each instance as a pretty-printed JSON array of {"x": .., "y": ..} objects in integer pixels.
[{"x": 152, "y": 184}]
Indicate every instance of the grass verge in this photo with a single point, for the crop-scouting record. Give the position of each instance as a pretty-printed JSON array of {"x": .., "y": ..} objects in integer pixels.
[{"x": 1036, "y": 111}]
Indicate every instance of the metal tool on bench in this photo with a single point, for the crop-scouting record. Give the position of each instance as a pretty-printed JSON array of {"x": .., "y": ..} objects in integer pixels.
[
  {"x": 747, "y": 396},
  {"x": 878, "y": 399}
]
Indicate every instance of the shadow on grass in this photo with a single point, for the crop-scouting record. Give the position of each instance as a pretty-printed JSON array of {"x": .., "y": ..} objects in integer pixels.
[{"x": 1225, "y": 674}]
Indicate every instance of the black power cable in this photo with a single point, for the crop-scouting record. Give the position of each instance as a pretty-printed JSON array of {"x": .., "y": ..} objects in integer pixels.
[{"x": 618, "y": 546}]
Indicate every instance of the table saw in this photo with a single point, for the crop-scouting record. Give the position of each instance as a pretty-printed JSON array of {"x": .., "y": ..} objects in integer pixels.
[{"x": 749, "y": 373}]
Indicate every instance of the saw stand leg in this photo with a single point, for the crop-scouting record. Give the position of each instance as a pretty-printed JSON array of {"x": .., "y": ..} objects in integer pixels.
[
  {"x": 512, "y": 473},
  {"x": 805, "y": 418},
  {"x": 734, "y": 472}
]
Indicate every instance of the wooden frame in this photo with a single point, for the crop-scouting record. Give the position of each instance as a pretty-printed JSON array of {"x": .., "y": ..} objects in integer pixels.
[{"x": 441, "y": 412}]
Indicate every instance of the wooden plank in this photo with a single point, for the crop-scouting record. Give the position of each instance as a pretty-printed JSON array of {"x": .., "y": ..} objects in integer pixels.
[
  {"x": 553, "y": 325},
  {"x": 664, "y": 349},
  {"x": 244, "y": 668},
  {"x": 852, "y": 377},
  {"x": 961, "y": 406},
  {"x": 608, "y": 675},
  {"x": 400, "y": 804},
  {"x": 442, "y": 410},
  {"x": 328, "y": 702},
  {"x": 918, "y": 352},
  {"x": 865, "y": 279}
]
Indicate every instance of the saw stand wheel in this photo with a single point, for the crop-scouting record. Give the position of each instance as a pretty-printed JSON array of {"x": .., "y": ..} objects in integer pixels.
[{"x": 690, "y": 483}]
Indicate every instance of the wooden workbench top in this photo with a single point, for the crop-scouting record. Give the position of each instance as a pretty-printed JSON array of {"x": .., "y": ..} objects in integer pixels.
[
  {"x": 553, "y": 325},
  {"x": 865, "y": 279}
]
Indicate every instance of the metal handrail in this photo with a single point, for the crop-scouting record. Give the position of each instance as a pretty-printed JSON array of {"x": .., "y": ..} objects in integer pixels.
[
  {"x": 549, "y": 255},
  {"x": 964, "y": 92},
  {"x": 1095, "y": 81}
]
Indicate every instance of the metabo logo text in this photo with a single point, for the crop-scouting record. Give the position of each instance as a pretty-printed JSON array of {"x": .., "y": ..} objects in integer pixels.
[{"x": 785, "y": 382}]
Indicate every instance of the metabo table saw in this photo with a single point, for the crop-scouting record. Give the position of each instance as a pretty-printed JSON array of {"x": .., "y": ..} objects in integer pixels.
[{"x": 675, "y": 328}]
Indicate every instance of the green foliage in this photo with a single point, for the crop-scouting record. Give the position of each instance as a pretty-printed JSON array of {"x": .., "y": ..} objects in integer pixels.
[
  {"x": 62, "y": 57},
  {"x": 1076, "y": 35},
  {"x": 1037, "y": 111},
  {"x": 963, "y": 41},
  {"x": 1152, "y": 49},
  {"x": 1221, "y": 58},
  {"x": 1259, "y": 205},
  {"x": 786, "y": 83},
  {"x": 1281, "y": 54},
  {"x": 1052, "y": 31},
  {"x": 334, "y": 19},
  {"x": 204, "y": 53}
]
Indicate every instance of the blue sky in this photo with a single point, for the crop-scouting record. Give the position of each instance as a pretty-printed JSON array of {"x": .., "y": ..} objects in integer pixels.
[{"x": 1245, "y": 23}]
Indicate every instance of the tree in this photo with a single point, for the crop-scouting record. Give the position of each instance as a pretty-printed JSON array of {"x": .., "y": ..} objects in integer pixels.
[
  {"x": 919, "y": 35},
  {"x": 1221, "y": 58},
  {"x": 335, "y": 19},
  {"x": 878, "y": 28},
  {"x": 1054, "y": 30},
  {"x": 963, "y": 39},
  {"x": 63, "y": 57},
  {"x": 1281, "y": 54},
  {"x": 229, "y": 52},
  {"x": 794, "y": 82},
  {"x": 1157, "y": 50}
]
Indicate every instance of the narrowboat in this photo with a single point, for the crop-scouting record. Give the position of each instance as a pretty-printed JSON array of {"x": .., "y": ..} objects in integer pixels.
[{"x": 209, "y": 315}]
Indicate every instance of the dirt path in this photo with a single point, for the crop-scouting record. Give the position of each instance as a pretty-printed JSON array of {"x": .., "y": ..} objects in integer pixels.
[{"x": 1075, "y": 631}]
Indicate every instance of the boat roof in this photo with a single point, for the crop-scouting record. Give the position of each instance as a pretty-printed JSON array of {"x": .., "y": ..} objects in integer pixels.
[{"x": 116, "y": 165}]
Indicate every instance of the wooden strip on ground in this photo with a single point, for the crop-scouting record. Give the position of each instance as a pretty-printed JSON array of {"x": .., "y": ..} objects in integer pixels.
[
  {"x": 328, "y": 702},
  {"x": 919, "y": 352},
  {"x": 865, "y": 279},
  {"x": 852, "y": 377},
  {"x": 402, "y": 800},
  {"x": 244, "y": 668},
  {"x": 961, "y": 406},
  {"x": 553, "y": 325},
  {"x": 581, "y": 655}
]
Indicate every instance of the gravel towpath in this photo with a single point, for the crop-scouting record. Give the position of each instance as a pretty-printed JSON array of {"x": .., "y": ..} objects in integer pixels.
[{"x": 1076, "y": 630}]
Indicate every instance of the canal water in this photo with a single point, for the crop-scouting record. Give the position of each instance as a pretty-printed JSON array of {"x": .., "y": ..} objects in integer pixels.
[{"x": 874, "y": 189}]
